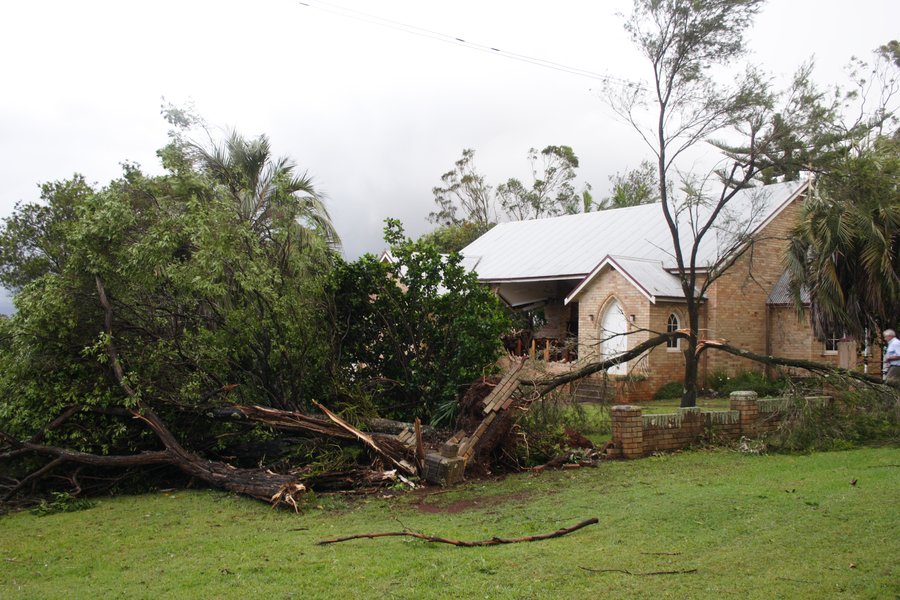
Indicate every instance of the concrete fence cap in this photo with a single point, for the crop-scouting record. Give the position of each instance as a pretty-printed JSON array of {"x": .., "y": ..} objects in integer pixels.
[
  {"x": 748, "y": 394},
  {"x": 626, "y": 408}
]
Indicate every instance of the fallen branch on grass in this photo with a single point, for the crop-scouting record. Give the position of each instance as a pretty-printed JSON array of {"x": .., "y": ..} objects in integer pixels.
[
  {"x": 627, "y": 572},
  {"x": 494, "y": 541}
]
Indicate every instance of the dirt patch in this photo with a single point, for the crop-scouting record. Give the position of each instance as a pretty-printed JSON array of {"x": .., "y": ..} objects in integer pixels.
[{"x": 459, "y": 506}]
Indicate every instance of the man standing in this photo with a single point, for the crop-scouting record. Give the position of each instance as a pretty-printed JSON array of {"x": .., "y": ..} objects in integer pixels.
[{"x": 891, "y": 368}]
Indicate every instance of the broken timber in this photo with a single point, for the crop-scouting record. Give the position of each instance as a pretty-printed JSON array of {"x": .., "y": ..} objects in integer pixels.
[
  {"x": 380, "y": 447},
  {"x": 448, "y": 466}
]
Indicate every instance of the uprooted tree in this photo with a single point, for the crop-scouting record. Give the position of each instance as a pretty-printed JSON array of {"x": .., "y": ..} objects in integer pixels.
[
  {"x": 143, "y": 305},
  {"x": 194, "y": 319}
]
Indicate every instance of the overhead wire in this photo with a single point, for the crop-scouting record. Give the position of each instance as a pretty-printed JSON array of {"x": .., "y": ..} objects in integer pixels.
[{"x": 351, "y": 13}]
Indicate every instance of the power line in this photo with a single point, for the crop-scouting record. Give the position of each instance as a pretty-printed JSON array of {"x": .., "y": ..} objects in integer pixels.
[{"x": 350, "y": 13}]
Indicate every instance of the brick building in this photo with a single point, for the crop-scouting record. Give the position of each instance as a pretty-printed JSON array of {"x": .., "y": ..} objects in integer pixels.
[{"x": 608, "y": 279}]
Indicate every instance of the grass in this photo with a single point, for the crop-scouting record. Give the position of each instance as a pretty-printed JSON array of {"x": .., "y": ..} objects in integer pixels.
[
  {"x": 654, "y": 407},
  {"x": 594, "y": 422},
  {"x": 752, "y": 526}
]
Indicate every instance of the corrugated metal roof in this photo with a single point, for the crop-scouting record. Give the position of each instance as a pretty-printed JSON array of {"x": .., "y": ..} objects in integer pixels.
[
  {"x": 570, "y": 246},
  {"x": 651, "y": 277},
  {"x": 648, "y": 276},
  {"x": 781, "y": 293}
]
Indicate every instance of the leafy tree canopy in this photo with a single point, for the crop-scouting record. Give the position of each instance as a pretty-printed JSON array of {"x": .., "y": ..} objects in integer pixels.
[
  {"x": 466, "y": 197},
  {"x": 633, "y": 187},
  {"x": 410, "y": 334},
  {"x": 454, "y": 236},
  {"x": 845, "y": 251},
  {"x": 210, "y": 272}
]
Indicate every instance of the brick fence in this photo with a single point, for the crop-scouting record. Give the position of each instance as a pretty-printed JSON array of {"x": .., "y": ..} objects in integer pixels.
[{"x": 635, "y": 434}]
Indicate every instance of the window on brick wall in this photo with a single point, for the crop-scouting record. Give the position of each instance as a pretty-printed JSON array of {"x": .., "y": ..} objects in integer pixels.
[
  {"x": 831, "y": 343},
  {"x": 672, "y": 325}
]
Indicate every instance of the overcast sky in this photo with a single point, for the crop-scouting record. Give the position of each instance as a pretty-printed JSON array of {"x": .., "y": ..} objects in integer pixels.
[{"x": 375, "y": 114}]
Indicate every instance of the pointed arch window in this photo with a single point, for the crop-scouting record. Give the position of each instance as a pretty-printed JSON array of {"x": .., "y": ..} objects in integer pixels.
[{"x": 672, "y": 325}]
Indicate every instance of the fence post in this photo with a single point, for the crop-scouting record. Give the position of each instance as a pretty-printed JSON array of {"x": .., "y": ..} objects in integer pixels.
[
  {"x": 745, "y": 403},
  {"x": 628, "y": 430}
]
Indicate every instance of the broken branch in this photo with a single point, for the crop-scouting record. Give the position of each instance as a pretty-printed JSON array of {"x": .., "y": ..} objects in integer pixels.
[
  {"x": 494, "y": 541},
  {"x": 627, "y": 572},
  {"x": 368, "y": 441}
]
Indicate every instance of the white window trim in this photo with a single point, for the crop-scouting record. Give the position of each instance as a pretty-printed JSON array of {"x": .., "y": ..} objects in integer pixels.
[
  {"x": 677, "y": 346},
  {"x": 826, "y": 351}
]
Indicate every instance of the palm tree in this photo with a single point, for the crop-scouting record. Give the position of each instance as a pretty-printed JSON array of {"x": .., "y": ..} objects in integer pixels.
[
  {"x": 266, "y": 192},
  {"x": 845, "y": 251}
]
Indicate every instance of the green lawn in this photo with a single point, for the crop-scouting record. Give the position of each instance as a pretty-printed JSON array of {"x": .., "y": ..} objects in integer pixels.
[
  {"x": 596, "y": 426},
  {"x": 671, "y": 405},
  {"x": 781, "y": 526}
]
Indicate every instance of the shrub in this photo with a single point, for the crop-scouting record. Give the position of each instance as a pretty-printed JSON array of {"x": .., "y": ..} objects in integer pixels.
[
  {"x": 673, "y": 389},
  {"x": 717, "y": 379},
  {"x": 750, "y": 381},
  {"x": 858, "y": 415},
  {"x": 544, "y": 426}
]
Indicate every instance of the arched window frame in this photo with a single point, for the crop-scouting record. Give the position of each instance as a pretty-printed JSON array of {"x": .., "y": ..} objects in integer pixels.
[
  {"x": 613, "y": 303},
  {"x": 673, "y": 323}
]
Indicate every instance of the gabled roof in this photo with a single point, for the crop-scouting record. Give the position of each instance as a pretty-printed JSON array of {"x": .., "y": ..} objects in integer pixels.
[
  {"x": 571, "y": 246},
  {"x": 648, "y": 276}
]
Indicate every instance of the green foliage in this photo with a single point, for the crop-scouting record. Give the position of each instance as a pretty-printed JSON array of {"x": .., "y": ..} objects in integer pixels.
[
  {"x": 214, "y": 274},
  {"x": 454, "y": 237},
  {"x": 751, "y": 381},
  {"x": 62, "y": 502},
  {"x": 466, "y": 203},
  {"x": 551, "y": 191},
  {"x": 855, "y": 417},
  {"x": 464, "y": 189},
  {"x": 414, "y": 332},
  {"x": 673, "y": 389},
  {"x": 633, "y": 187},
  {"x": 845, "y": 249},
  {"x": 543, "y": 428},
  {"x": 716, "y": 379}
]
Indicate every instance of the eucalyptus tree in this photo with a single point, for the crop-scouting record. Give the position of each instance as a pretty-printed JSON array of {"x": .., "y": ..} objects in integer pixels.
[
  {"x": 464, "y": 197},
  {"x": 550, "y": 192},
  {"x": 682, "y": 105},
  {"x": 633, "y": 187}
]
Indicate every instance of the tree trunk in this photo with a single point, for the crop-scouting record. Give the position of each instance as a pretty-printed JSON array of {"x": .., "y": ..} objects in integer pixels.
[{"x": 691, "y": 369}]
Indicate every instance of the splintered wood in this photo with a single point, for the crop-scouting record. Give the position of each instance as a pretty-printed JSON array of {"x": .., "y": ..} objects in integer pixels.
[{"x": 500, "y": 399}]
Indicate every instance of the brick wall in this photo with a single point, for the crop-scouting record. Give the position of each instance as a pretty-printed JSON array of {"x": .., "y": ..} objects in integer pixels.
[
  {"x": 662, "y": 364},
  {"x": 791, "y": 337},
  {"x": 667, "y": 364},
  {"x": 635, "y": 434},
  {"x": 593, "y": 301},
  {"x": 737, "y": 300}
]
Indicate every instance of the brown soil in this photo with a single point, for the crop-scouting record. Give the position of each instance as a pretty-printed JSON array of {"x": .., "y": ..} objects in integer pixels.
[{"x": 459, "y": 506}]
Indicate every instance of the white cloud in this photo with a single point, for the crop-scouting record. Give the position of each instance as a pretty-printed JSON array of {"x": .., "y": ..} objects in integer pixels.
[{"x": 375, "y": 115}]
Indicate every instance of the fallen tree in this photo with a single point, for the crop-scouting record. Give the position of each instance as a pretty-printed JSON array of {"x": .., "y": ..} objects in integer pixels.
[{"x": 288, "y": 486}]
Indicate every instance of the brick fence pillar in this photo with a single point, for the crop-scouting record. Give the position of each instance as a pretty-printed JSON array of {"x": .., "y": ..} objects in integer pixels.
[
  {"x": 628, "y": 430},
  {"x": 745, "y": 403}
]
